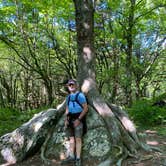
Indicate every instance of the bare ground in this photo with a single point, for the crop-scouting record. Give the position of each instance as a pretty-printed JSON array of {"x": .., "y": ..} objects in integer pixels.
[
  {"x": 154, "y": 158},
  {"x": 147, "y": 159}
]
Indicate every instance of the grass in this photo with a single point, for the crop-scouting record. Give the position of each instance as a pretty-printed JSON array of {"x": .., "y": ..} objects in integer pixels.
[{"x": 11, "y": 119}]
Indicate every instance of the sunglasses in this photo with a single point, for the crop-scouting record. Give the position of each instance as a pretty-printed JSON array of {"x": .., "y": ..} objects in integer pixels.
[{"x": 71, "y": 84}]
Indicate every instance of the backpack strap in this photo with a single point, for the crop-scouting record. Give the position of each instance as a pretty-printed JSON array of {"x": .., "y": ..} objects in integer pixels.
[
  {"x": 77, "y": 101},
  {"x": 68, "y": 101}
]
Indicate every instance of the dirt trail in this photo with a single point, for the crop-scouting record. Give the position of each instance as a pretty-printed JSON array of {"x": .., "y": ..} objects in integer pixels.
[
  {"x": 154, "y": 158},
  {"x": 147, "y": 159}
]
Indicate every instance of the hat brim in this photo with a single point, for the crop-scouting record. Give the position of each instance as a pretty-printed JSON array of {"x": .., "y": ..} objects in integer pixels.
[{"x": 71, "y": 82}]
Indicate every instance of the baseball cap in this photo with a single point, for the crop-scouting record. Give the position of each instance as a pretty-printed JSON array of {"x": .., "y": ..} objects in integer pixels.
[{"x": 71, "y": 81}]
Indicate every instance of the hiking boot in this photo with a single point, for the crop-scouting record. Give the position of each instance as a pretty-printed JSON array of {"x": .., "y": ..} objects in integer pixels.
[
  {"x": 68, "y": 160},
  {"x": 78, "y": 162}
]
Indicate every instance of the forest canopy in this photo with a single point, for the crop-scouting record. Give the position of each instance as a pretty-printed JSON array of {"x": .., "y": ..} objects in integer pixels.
[{"x": 38, "y": 51}]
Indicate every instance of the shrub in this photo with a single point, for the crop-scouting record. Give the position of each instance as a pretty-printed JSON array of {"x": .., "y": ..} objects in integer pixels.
[
  {"x": 145, "y": 113},
  {"x": 10, "y": 119}
]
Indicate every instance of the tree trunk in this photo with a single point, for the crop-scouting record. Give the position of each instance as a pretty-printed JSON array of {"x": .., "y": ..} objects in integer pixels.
[
  {"x": 129, "y": 50},
  {"x": 85, "y": 41},
  {"x": 2, "y": 103},
  {"x": 26, "y": 89},
  {"x": 48, "y": 85},
  {"x": 15, "y": 92},
  {"x": 138, "y": 90},
  {"x": 121, "y": 129},
  {"x": 6, "y": 84},
  {"x": 115, "y": 75}
]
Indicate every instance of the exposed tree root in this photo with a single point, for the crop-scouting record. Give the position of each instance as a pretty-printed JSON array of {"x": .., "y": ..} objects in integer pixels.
[
  {"x": 121, "y": 128},
  {"x": 44, "y": 147},
  {"x": 49, "y": 135},
  {"x": 116, "y": 158}
]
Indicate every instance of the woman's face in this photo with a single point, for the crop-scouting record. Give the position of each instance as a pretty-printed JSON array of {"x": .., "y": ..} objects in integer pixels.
[{"x": 72, "y": 87}]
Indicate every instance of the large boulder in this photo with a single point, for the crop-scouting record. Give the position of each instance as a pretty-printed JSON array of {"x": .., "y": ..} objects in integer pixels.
[{"x": 28, "y": 138}]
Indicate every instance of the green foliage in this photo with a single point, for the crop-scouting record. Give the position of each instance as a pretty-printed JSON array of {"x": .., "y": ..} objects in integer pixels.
[
  {"x": 144, "y": 112},
  {"x": 8, "y": 114},
  {"x": 10, "y": 119},
  {"x": 38, "y": 48},
  {"x": 160, "y": 98}
]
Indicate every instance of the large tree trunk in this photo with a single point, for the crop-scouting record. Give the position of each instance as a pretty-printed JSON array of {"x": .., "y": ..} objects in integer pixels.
[
  {"x": 85, "y": 43},
  {"x": 121, "y": 130}
]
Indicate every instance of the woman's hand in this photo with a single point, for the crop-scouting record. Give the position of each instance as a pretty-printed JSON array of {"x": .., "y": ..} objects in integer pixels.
[{"x": 66, "y": 122}]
